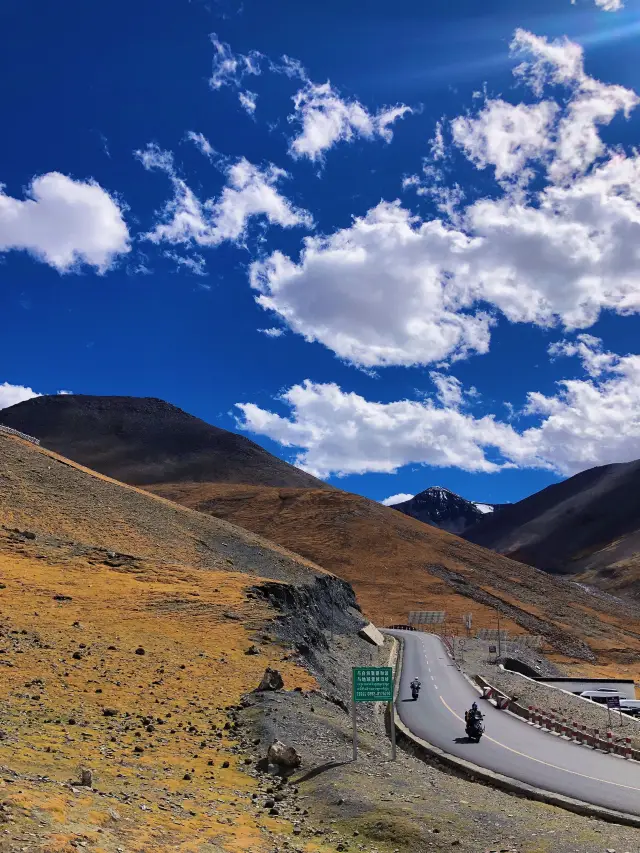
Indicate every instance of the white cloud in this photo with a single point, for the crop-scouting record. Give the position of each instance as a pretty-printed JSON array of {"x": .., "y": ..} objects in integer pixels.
[
  {"x": 393, "y": 289},
  {"x": 273, "y": 332},
  {"x": 194, "y": 263},
  {"x": 10, "y": 395},
  {"x": 198, "y": 139},
  {"x": 230, "y": 69},
  {"x": 589, "y": 350},
  {"x": 249, "y": 101},
  {"x": 326, "y": 119},
  {"x": 249, "y": 192},
  {"x": 64, "y": 223},
  {"x": 343, "y": 433},
  {"x": 575, "y": 141},
  {"x": 587, "y": 422},
  {"x": 396, "y": 499},
  {"x": 449, "y": 390},
  {"x": 374, "y": 293},
  {"x": 607, "y": 5},
  {"x": 505, "y": 136}
]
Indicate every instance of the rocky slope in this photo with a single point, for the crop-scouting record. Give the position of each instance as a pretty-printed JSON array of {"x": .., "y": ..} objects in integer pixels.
[
  {"x": 144, "y": 440},
  {"x": 587, "y": 527},
  {"x": 397, "y": 564},
  {"x": 445, "y": 509}
]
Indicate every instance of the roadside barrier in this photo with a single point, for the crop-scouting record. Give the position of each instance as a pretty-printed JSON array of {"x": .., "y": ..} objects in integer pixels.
[
  {"x": 17, "y": 432},
  {"x": 549, "y": 722}
]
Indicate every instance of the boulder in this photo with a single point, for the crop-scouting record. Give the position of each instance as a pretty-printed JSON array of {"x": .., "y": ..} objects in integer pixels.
[
  {"x": 271, "y": 680},
  {"x": 371, "y": 634},
  {"x": 285, "y": 757}
]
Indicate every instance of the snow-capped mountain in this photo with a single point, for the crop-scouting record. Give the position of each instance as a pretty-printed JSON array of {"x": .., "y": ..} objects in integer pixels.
[{"x": 445, "y": 509}]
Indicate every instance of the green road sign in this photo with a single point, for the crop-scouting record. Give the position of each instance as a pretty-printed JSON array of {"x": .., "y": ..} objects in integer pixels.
[{"x": 372, "y": 684}]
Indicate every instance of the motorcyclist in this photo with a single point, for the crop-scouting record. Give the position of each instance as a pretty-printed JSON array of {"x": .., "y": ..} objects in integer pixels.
[
  {"x": 472, "y": 713},
  {"x": 416, "y": 684}
]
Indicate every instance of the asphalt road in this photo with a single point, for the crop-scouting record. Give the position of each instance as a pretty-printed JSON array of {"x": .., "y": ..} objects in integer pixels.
[{"x": 509, "y": 746}]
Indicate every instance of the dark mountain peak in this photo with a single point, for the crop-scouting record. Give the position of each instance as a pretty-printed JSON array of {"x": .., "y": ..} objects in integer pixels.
[
  {"x": 144, "y": 440},
  {"x": 443, "y": 508}
]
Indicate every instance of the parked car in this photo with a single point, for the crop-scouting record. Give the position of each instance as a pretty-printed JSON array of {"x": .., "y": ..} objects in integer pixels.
[
  {"x": 601, "y": 696},
  {"x": 630, "y": 706}
]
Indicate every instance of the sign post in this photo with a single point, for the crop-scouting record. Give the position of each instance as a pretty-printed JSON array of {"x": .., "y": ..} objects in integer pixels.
[
  {"x": 372, "y": 684},
  {"x": 613, "y": 702}
]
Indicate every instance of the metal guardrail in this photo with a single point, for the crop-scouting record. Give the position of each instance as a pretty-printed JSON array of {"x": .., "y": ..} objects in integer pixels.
[{"x": 10, "y": 431}]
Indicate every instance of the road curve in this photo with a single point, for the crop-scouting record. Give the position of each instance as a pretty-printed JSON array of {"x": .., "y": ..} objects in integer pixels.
[{"x": 510, "y": 746}]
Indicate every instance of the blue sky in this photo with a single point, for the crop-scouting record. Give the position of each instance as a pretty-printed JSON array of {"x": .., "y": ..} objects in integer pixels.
[{"x": 397, "y": 244}]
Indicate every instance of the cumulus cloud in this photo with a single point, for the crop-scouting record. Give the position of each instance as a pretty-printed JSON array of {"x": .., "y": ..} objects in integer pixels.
[
  {"x": 64, "y": 223},
  {"x": 396, "y": 499},
  {"x": 249, "y": 192},
  {"x": 325, "y": 118},
  {"x": 374, "y": 293},
  {"x": 10, "y": 395},
  {"x": 395, "y": 289},
  {"x": 343, "y": 433},
  {"x": 587, "y": 422}
]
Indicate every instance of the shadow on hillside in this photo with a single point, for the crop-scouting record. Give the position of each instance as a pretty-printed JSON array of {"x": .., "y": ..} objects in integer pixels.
[{"x": 321, "y": 768}]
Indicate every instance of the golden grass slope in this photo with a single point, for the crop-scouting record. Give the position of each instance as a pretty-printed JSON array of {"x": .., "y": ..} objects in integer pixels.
[
  {"x": 389, "y": 558},
  {"x": 72, "y": 616}
]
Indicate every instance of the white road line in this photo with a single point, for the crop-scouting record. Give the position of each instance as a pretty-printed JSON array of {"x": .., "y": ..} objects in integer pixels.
[
  {"x": 432, "y": 678},
  {"x": 436, "y": 686}
]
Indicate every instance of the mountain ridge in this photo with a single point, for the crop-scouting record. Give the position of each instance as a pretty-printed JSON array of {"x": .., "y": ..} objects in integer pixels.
[
  {"x": 445, "y": 509},
  {"x": 144, "y": 440}
]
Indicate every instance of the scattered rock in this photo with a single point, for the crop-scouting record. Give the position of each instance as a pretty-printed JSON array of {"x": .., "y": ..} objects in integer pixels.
[
  {"x": 252, "y": 650},
  {"x": 229, "y": 614},
  {"x": 140, "y": 651},
  {"x": 60, "y": 597},
  {"x": 271, "y": 680},
  {"x": 109, "y": 712},
  {"x": 285, "y": 757},
  {"x": 86, "y": 779}
]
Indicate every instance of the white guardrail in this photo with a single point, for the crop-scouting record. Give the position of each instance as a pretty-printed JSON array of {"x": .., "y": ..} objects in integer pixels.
[{"x": 17, "y": 432}]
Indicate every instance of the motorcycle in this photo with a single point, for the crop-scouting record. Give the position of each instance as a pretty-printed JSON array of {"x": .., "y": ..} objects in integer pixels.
[
  {"x": 475, "y": 728},
  {"x": 415, "y": 690}
]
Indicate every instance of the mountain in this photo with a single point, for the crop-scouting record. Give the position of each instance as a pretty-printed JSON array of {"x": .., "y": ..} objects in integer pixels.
[
  {"x": 397, "y": 564},
  {"x": 587, "y": 526},
  {"x": 142, "y": 440},
  {"x": 444, "y": 509}
]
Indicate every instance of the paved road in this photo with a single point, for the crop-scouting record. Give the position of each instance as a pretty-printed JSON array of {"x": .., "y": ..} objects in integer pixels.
[{"x": 510, "y": 746}]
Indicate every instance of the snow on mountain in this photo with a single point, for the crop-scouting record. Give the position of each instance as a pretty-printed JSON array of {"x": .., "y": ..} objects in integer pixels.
[{"x": 442, "y": 508}]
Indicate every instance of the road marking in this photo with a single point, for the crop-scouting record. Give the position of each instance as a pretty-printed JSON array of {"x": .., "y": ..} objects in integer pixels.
[
  {"x": 432, "y": 678},
  {"x": 546, "y": 763},
  {"x": 436, "y": 686}
]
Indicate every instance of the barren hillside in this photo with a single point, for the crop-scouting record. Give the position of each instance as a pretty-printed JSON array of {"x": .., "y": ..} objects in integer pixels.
[
  {"x": 396, "y": 563},
  {"x": 587, "y": 527},
  {"x": 143, "y": 440}
]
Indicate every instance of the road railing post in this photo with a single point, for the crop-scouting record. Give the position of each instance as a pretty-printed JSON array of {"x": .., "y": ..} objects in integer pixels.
[
  {"x": 609, "y": 741},
  {"x": 596, "y": 738},
  {"x": 627, "y": 748}
]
